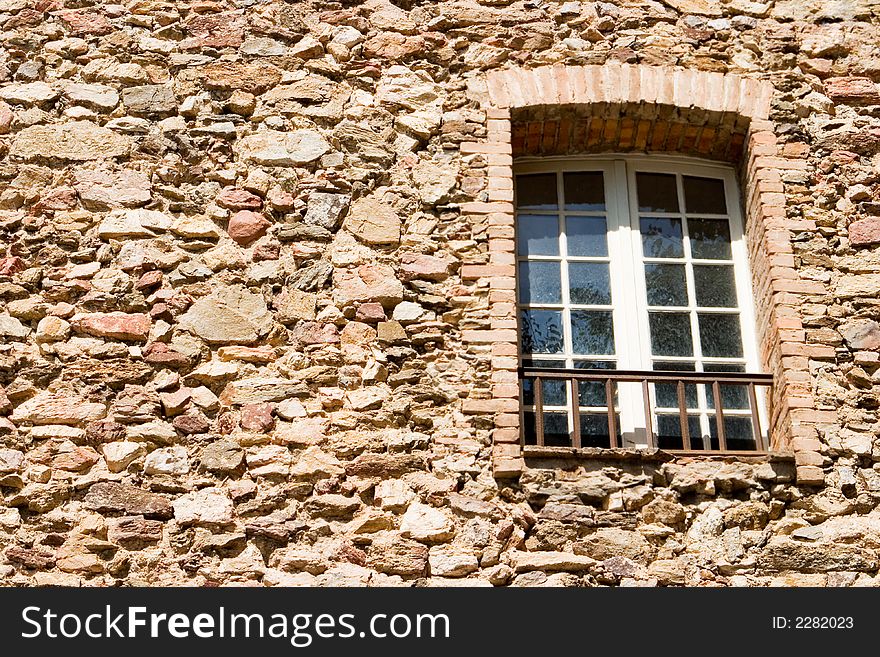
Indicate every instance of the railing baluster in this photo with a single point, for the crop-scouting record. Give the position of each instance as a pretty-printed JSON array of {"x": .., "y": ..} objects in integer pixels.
[
  {"x": 612, "y": 418},
  {"x": 683, "y": 417},
  {"x": 575, "y": 412},
  {"x": 719, "y": 417},
  {"x": 649, "y": 425},
  {"x": 756, "y": 422},
  {"x": 539, "y": 411}
]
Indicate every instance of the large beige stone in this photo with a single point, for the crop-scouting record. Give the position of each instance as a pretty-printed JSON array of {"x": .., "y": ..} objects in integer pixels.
[
  {"x": 374, "y": 221},
  {"x": 426, "y": 524},
  {"x": 229, "y": 315},
  {"x": 77, "y": 141},
  {"x": 283, "y": 149},
  {"x": 48, "y": 408}
]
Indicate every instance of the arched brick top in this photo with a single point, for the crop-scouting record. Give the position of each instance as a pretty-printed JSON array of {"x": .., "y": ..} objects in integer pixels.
[{"x": 624, "y": 83}]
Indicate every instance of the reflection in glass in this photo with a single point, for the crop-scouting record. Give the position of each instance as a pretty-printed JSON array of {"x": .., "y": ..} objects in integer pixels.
[
  {"x": 670, "y": 334},
  {"x": 733, "y": 397},
  {"x": 710, "y": 239},
  {"x": 666, "y": 285},
  {"x": 592, "y": 332},
  {"x": 666, "y": 394},
  {"x": 704, "y": 195},
  {"x": 594, "y": 430},
  {"x": 584, "y": 190},
  {"x": 592, "y": 393},
  {"x": 536, "y": 191},
  {"x": 541, "y": 331},
  {"x": 537, "y": 234},
  {"x": 669, "y": 432},
  {"x": 661, "y": 238},
  {"x": 539, "y": 282},
  {"x": 589, "y": 283},
  {"x": 586, "y": 236},
  {"x": 720, "y": 335},
  {"x": 554, "y": 390},
  {"x": 656, "y": 192},
  {"x": 715, "y": 286}
]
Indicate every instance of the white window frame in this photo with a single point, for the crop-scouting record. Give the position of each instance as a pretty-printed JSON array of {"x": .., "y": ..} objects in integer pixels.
[{"x": 625, "y": 255}]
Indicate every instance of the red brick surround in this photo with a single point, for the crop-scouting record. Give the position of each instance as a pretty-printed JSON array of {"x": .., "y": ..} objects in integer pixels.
[{"x": 734, "y": 109}]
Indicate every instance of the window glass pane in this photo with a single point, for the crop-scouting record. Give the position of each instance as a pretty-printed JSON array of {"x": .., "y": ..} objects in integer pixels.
[
  {"x": 670, "y": 334},
  {"x": 669, "y": 432},
  {"x": 704, "y": 195},
  {"x": 661, "y": 238},
  {"x": 537, "y": 234},
  {"x": 666, "y": 285},
  {"x": 666, "y": 394},
  {"x": 715, "y": 286},
  {"x": 541, "y": 331},
  {"x": 710, "y": 239},
  {"x": 720, "y": 335},
  {"x": 657, "y": 192},
  {"x": 554, "y": 390},
  {"x": 594, "y": 430},
  {"x": 591, "y": 332},
  {"x": 584, "y": 190},
  {"x": 733, "y": 397},
  {"x": 539, "y": 282},
  {"x": 738, "y": 433},
  {"x": 592, "y": 393},
  {"x": 536, "y": 191},
  {"x": 588, "y": 283},
  {"x": 555, "y": 429},
  {"x": 586, "y": 236}
]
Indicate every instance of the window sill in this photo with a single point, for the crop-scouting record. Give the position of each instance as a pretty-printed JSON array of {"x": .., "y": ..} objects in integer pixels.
[{"x": 652, "y": 455}]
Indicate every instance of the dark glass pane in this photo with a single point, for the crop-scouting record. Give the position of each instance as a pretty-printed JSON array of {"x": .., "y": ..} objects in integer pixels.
[
  {"x": 536, "y": 191},
  {"x": 592, "y": 332},
  {"x": 657, "y": 192},
  {"x": 661, "y": 238},
  {"x": 715, "y": 286},
  {"x": 733, "y": 397},
  {"x": 539, "y": 282},
  {"x": 738, "y": 433},
  {"x": 720, "y": 336},
  {"x": 541, "y": 331},
  {"x": 669, "y": 432},
  {"x": 592, "y": 393},
  {"x": 588, "y": 283},
  {"x": 666, "y": 394},
  {"x": 554, "y": 391},
  {"x": 670, "y": 334},
  {"x": 704, "y": 195},
  {"x": 594, "y": 430},
  {"x": 710, "y": 239},
  {"x": 666, "y": 285},
  {"x": 584, "y": 190},
  {"x": 537, "y": 234},
  {"x": 555, "y": 429},
  {"x": 586, "y": 236}
]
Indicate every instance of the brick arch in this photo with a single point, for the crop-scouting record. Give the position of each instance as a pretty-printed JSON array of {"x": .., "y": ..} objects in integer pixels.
[{"x": 779, "y": 292}]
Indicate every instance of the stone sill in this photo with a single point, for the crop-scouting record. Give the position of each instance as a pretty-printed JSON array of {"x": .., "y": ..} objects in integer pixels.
[{"x": 653, "y": 455}]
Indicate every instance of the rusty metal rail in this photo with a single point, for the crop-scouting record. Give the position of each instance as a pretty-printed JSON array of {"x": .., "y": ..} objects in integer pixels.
[{"x": 680, "y": 379}]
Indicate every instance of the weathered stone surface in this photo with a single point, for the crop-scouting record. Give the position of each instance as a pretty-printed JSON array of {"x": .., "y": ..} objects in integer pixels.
[
  {"x": 222, "y": 456},
  {"x": 149, "y": 99},
  {"x": 550, "y": 561},
  {"x": 865, "y": 231},
  {"x": 209, "y": 506},
  {"x": 117, "y": 325},
  {"x": 131, "y": 530},
  {"x": 326, "y": 210},
  {"x": 100, "y": 97},
  {"x": 448, "y": 563},
  {"x": 373, "y": 221},
  {"x": 28, "y": 93},
  {"x": 246, "y": 226},
  {"x": 426, "y": 524},
  {"x": 167, "y": 461},
  {"x": 284, "y": 149},
  {"x": 102, "y": 190},
  {"x": 114, "y": 497},
  {"x": 256, "y": 390},
  {"x": 253, "y": 78},
  {"x": 861, "y": 333},
  {"x": 227, "y": 316},
  {"x": 366, "y": 284},
  {"x": 47, "y": 408},
  {"x": 77, "y": 141},
  {"x": 852, "y": 89},
  {"x": 395, "y": 556},
  {"x": 10, "y": 327}
]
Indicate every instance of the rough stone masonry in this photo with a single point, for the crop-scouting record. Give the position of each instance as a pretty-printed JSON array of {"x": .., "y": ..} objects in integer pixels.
[{"x": 232, "y": 302}]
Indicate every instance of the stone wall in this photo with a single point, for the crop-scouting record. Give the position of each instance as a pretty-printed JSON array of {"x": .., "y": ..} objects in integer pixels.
[{"x": 248, "y": 316}]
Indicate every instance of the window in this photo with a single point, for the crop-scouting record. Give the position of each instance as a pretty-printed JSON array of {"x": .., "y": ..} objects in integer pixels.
[{"x": 634, "y": 291}]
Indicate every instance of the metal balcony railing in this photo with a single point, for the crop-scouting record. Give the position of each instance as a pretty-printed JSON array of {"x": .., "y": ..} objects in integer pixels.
[{"x": 577, "y": 391}]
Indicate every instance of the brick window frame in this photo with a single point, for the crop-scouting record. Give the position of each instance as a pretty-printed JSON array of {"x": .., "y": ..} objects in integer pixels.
[{"x": 777, "y": 289}]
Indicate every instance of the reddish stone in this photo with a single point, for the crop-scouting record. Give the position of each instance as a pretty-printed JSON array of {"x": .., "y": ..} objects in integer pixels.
[
  {"x": 865, "y": 231},
  {"x": 30, "y": 558},
  {"x": 215, "y": 31},
  {"x": 246, "y": 226},
  {"x": 76, "y": 460},
  {"x": 370, "y": 313},
  {"x": 5, "y": 404},
  {"x": 192, "y": 422},
  {"x": 281, "y": 200},
  {"x": 270, "y": 251},
  {"x": 227, "y": 422},
  {"x": 6, "y": 117},
  {"x": 315, "y": 333},
  {"x": 11, "y": 265},
  {"x": 104, "y": 431},
  {"x": 159, "y": 353},
  {"x": 84, "y": 22},
  {"x": 235, "y": 198},
  {"x": 417, "y": 265},
  {"x": 149, "y": 280},
  {"x": 120, "y": 326},
  {"x": 63, "y": 198},
  {"x": 852, "y": 89},
  {"x": 161, "y": 311},
  {"x": 391, "y": 45},
  {"x": 257, "y": 417}
]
